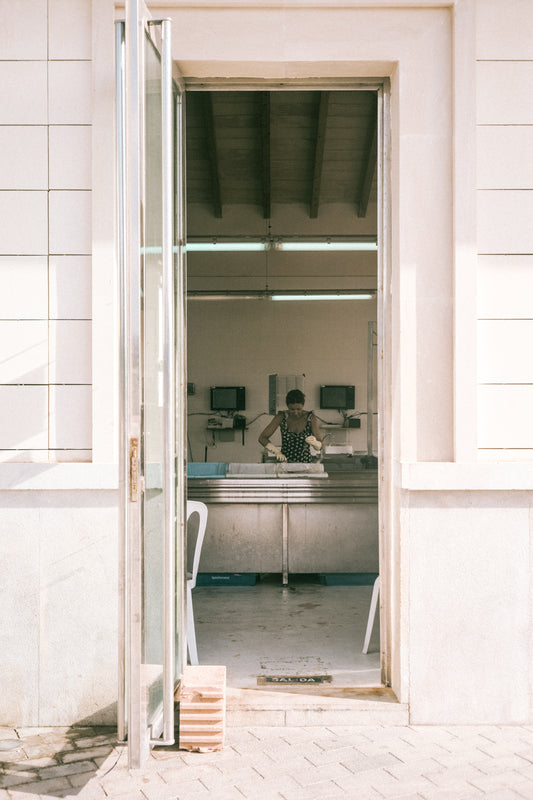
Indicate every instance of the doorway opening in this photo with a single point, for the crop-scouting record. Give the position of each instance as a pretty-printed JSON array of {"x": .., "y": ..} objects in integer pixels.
[{"x": 283, "y": 201}]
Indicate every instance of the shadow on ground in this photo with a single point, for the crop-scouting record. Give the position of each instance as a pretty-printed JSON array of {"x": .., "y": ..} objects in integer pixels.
[{"x": 57, "y": 761}]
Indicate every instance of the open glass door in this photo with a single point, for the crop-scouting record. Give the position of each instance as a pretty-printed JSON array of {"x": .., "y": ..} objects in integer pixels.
[{"x": 152, "y": 369}]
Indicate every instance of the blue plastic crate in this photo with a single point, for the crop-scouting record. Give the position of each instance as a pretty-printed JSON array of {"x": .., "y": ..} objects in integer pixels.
[
  {"x": 226, "y": 579},
  {"x": 348, "y": 578}
]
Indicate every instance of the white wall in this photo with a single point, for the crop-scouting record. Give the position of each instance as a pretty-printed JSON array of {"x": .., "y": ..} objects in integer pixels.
[
  {"x": 505, "y": 235},
  {"x": 239, "y": 343},
  {"x": 45, "y": 237}
]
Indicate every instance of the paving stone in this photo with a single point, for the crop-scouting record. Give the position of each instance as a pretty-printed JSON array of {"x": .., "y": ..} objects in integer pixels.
[
  {"x": 90, "y": 753},
  {"x": 15, "y": 777},
  {"x": 208, "y": 774},
  {"x": 501, "y": 780},
  {"x": 312, "y": 775},
  {"x": 35, "y": 763},
  {"x": 359, "y": 763},
  {"x": 493, "y": 766},
  {"x": 96, "y": 741},
  {"x": 316, "y": 792},
  {"x": 256, "y": 786},
  {"x": 465, "y": 793},
  {"x": 47, "y": 787},
  {"x": 67, "y": 769},
  {"x": 524, "y": 789}
]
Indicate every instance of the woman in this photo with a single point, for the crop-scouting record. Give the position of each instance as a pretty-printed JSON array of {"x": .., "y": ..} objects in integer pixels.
[{"x": 299, "y": 431}]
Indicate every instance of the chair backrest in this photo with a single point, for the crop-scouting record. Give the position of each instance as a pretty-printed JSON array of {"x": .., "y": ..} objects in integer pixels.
[{"x": 195, "y": 507}]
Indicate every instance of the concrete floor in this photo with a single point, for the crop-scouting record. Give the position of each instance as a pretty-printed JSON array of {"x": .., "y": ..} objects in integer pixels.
[{"x": 305, "y": 629}]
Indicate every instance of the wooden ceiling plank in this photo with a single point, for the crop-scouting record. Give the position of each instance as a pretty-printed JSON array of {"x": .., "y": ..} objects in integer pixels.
[
  {"x": 319, "y": 153},
  {"x": 365, "y": 185},
  {"x": 211, "y": 141},
  {"x": 265, "y": 154}
]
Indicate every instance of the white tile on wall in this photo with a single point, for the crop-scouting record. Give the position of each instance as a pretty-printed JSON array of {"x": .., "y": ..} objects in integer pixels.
[
  {"x": 69, "y": 29},
  {"x": 503, "y": 29},
  {"x": 70, "y": 157},
  {"x": 70, "y": 287},
  {"x": 69, "y": 92},
  {"x": 70, "y": 417},
  {"x": 498, "y": 279},
  {"x": 69, "y": 456},
  {"x": 23, "y": 29},
  {"x": 18, "y": 456},
  {"x": 24, "y": 418},
  {"x": 504, "y": 351},
  {"x": 24, "y": 228},
  {"x": 19, "y": 273},
  {"x": 23, "y": 157},
  {"x": 504, "y": 417},
  {"x": 70, "y": 351},
  {"x": 501, "y": 161},
  {"x": 502, "y": 93},
  {"x": 23, "y": 93},
  {"x": 504, "y": 222},
  {"x": 70, "y": 222},
  {"x": 23, "y": 351}
]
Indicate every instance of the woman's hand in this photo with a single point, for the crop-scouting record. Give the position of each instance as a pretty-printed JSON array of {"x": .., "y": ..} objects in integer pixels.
[
  {"x": 314, "y": 442},
  {"x": 276, "y": 451}
]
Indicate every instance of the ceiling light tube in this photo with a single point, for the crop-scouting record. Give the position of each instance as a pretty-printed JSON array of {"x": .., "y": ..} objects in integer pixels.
[
  {"x": 330, "y": 296},
  {"x": 325, "y": 246},
  {"x": 219, "y": 247}
]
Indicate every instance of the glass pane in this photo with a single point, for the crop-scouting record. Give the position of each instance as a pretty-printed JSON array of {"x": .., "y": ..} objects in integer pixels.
[{"x": 153, "y": 395}]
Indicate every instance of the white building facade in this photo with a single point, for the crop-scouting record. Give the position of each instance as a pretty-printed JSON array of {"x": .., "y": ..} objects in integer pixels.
[{"x": 456, "y": 330}]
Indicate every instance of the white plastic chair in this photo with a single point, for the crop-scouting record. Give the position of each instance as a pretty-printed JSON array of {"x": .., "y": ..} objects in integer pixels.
[
  {"x": 371, "y": 615},
  {"x": 193, "y": 506}
]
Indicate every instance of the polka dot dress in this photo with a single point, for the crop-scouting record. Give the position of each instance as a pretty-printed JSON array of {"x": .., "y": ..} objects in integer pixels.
[{"x": 293, "y": 445}]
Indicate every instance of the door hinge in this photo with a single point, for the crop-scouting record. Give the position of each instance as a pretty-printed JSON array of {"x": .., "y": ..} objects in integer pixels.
[{"x": 134, "y": 470}]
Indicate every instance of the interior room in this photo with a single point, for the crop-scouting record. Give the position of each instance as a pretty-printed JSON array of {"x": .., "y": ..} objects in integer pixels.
[{"x": 282, "y": 281}]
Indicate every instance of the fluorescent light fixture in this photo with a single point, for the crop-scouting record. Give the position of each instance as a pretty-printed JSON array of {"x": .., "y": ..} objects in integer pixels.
[
  {"x": 228, "y": 296},
  {"x": 219, "y": 247},
  {"x": 270, "y": 295},
  {"x": 325, "y": 246},
  {"x": 331, "y": 296},
  {"x": 214, "y": 244}
]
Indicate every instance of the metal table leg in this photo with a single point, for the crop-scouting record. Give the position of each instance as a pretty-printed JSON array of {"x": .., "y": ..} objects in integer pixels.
[{"x": 285, "y": 543}]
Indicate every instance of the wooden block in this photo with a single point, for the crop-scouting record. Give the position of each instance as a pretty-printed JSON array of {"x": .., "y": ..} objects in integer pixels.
[{"x": 201, "y": 695}]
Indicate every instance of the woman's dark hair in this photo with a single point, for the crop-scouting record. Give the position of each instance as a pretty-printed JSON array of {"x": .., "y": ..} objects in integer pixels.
[{"x": 295, "y": 396}]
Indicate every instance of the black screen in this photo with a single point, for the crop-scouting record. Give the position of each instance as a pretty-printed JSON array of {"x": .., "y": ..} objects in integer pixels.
[
  {"x": 342, "y": 397},
  {"x": 228, "y": 398}
]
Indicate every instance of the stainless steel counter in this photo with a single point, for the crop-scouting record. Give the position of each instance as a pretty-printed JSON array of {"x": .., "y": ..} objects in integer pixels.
[
  {"x": 290, "y": 524},
  {"x": 354, "y": 487}
]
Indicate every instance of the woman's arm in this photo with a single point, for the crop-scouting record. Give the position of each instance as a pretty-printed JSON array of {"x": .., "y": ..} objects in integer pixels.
[
  {"x": 315, "y": 428},
  {"x": 273, "y": 425}
]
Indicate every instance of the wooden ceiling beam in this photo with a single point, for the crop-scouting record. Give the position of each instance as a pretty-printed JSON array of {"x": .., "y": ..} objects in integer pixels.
[
  {"x": 369, "y": 168},
  {"x": 265, "y": 154},
  {"x": 319, "y": 154},
  {"x": 211, "y": 140}
]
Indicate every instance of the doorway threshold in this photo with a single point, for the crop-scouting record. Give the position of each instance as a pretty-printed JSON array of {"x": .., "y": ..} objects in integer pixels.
[{"x": 305, "y": 705}]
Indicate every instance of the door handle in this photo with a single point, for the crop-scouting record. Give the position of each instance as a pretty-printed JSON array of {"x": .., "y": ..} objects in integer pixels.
[{"x": 134, "y": 470}]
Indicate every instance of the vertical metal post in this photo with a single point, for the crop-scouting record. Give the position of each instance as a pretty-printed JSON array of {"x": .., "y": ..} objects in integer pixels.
[
  {"x": 168, "y": 381},
  {"x": 138, "y": 741},
  {"x": 370, "y": 389},
  {"x": 121, "y": 227}
]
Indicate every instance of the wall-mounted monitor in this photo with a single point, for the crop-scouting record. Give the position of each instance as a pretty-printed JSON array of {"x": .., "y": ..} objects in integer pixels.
[
  {"x": 228, "y": 398},
  {"x": 339, "y": 397}
]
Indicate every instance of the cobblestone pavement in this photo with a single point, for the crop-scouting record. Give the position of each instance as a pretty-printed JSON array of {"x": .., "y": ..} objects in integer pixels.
[{"x": 426, "y": 763}]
